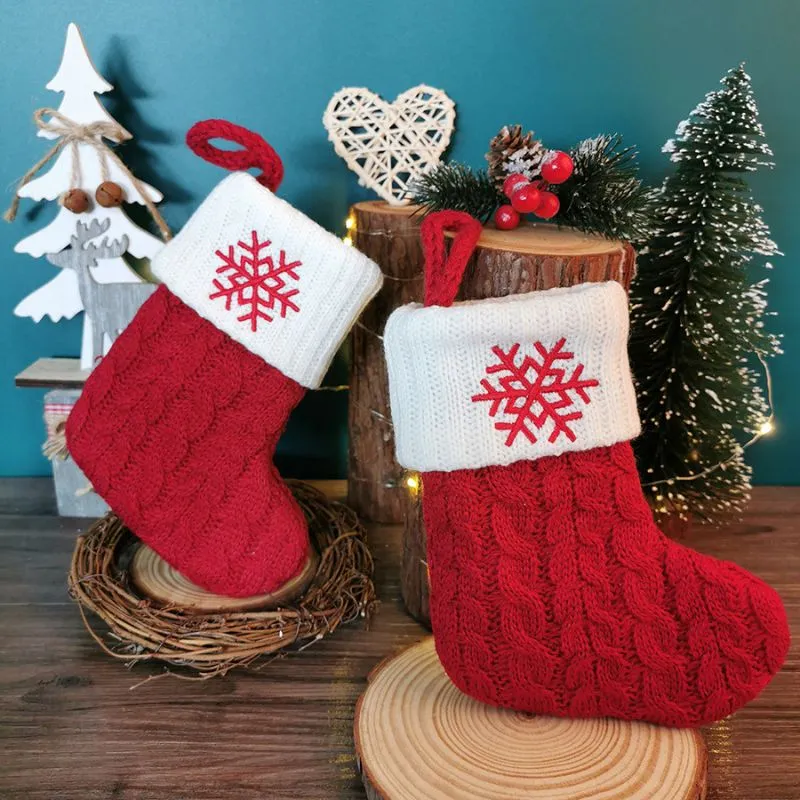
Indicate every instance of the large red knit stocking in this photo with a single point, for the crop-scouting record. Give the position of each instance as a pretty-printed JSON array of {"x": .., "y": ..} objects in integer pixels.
[
  {"x": 552, "y": 590},
  {"x": 177, "y": 426}
]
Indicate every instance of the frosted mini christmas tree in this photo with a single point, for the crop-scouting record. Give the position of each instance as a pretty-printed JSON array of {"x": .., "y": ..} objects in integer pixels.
[
  {"x": 698, "y": 315},
  {"x": 83, "y": 163}
]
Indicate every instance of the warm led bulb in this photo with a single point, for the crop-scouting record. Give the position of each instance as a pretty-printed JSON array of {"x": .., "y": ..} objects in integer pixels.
[
  {"x": 766, "y": 427},
  {"x": 412, "y": 481},
  {"x": 348, "y": 240},
  {"x": 350, "y": 223}
]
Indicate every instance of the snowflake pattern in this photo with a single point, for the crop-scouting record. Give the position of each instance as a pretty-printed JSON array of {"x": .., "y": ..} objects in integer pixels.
[
  {"x": 534, "y": 392},
  {"x": 255, "y": 282}
]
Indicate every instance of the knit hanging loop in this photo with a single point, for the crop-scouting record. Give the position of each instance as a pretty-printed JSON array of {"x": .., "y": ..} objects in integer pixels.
[
  {"x": 256, "y": 152},
  {"x": 72, "y": 134},
  {"x": 443, "y": 271}
]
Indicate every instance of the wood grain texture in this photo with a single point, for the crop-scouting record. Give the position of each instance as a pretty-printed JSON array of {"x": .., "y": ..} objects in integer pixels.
[
  {"x": 389, "y": 235},
  {"x": 417, "y": 736},
  {"x": 71, "y": 726},
  {"x": 532, "y": 257},
  {"x": 156, "y": 579},
  {"x": 53, "y": 373},
  {"x": 537, "y": 256}
]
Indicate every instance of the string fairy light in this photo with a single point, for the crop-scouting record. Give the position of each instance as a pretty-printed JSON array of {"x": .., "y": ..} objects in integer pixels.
[
  {"x": 405, "y": 480},
  {"x": 412, "y": 482},
  {"x": 765, "y": 429},
  {"x": 350, "y": 226}
]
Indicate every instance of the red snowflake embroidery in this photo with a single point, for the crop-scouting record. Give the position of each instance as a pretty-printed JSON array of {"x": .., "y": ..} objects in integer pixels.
[
  {"x": 534, "y": 392},
  {"x": 255, "y": 282}
]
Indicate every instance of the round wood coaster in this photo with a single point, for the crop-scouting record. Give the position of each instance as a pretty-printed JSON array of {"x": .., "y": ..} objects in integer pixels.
[
  {"x": 417, "y": 736},
  {"x": 156, "y": 579}
]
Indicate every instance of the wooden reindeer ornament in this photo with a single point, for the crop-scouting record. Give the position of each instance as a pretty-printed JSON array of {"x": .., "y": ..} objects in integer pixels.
[{"x": 110, "y": 306}]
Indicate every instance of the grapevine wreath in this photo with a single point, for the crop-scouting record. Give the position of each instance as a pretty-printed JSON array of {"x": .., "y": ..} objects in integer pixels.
[{"x": 212, "y": 644}]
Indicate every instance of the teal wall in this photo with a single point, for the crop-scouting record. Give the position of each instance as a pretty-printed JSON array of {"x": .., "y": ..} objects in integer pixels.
[{"x": 568, "y": 69}]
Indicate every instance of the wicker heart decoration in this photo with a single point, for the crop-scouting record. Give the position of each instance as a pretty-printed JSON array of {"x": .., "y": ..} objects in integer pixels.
[{"x": 389, "y": 145}]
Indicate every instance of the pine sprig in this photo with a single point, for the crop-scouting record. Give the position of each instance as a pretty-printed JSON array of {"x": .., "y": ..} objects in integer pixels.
[
  {"x": 455, "y": 186},
  {"x": 604, "y": 194}
]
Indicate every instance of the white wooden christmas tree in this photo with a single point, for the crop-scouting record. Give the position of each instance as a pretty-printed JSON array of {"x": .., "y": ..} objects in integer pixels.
[{"x": 80, "y": 82}]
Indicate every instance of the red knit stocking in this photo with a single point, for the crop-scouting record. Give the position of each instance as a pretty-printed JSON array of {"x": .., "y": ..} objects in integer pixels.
[
  {"x": 177, "y": 426},
  {"x": 176, "y": 429},
  {"x": 552, "y": 590}
]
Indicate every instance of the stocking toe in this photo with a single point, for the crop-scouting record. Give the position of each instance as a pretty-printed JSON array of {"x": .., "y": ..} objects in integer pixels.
[{"x": 736, "y": 637}]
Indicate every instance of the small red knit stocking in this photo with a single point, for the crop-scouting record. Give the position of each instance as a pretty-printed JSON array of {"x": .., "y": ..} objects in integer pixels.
[
  {"x": 177, "y": 425},
  {"x": 552, "y": 590}
]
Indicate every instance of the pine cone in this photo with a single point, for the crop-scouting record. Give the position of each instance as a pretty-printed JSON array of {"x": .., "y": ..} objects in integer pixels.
[{"x": 511, "y": 151}]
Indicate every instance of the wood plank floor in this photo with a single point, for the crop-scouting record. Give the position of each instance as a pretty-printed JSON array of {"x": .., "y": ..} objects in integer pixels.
[{"x": 72, "y": 727}]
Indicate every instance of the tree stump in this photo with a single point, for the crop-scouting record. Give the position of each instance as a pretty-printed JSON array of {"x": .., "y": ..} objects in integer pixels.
[
  {"x": 530, "y": 258},
  {"x": 389, "y": 235},
  {"x": 156, "y": 579},
  {"x": 417, "y": 736}
]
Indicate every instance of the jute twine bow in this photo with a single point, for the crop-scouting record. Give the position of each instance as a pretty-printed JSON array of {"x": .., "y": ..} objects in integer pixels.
[
  {"x": 71, "y": 133},
  {"x": 56, "y": 444}
]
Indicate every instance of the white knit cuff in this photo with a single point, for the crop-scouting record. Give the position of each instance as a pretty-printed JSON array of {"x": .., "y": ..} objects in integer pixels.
[
  {"x": 265, "y": 274},
  {"x": 491, "y": 382}
]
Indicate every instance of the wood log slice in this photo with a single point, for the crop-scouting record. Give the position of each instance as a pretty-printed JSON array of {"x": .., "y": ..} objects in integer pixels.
[
  {"x": 389, "y": 235},
  {"x": 156, "y": 579},
  {"x": 533, "y": 257},
  {"x": 537, "y": 256},
  {"x": 417, "y": 736}
]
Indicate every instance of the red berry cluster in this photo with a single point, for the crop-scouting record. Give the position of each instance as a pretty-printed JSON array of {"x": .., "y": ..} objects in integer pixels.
[{"x": 529, "y": 197}]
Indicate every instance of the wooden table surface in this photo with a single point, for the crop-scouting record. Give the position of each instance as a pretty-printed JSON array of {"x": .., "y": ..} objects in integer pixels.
[{"x": 71, "y": 726}]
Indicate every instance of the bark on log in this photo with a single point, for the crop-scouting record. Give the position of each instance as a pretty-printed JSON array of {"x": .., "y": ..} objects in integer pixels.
[
  {"x": 417, "y": 736},
  {"x": 389, "y": 235},
  {"x": 530, "y": 258}
]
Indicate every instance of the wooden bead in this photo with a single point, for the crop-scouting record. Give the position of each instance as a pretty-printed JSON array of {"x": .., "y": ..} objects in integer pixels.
[
  {"x": 76, "y": 201},
  {"x": 109, "y": 194}
]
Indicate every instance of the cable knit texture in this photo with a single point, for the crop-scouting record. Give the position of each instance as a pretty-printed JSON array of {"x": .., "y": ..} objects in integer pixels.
[
  {"x": 552, "y": 590},
  {"x": 176, "y": 429}
]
